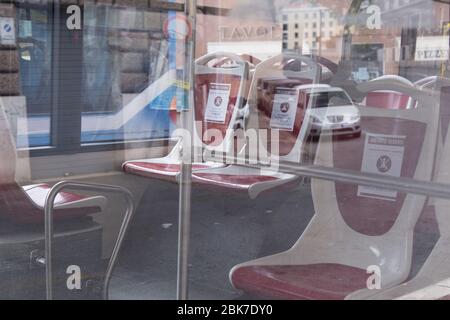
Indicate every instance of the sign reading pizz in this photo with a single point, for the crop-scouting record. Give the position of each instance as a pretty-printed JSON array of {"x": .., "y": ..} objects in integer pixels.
[{"x": 383, "y": 154}]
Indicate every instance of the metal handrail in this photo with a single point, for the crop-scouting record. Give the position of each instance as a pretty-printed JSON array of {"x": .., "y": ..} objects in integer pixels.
[
  {"x": 49, "y": 206},
  {"x": 405, "y": 185}
]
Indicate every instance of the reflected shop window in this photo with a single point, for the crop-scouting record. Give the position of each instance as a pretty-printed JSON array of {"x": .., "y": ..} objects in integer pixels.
[
  {"x": 124, "y": 53},
  {"x": 121, "y": 51},
  {"x": 32, "y": 100},
  {"x": 225, "y": 149}
]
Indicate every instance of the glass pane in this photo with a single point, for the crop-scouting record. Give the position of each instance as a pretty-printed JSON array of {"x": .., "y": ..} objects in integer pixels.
[
  {"x": 33, "y": 104},
  {"x": 344, "y": 112},
  {"x": 317, "y": 131},
  {"x": 125, "y": 54}
]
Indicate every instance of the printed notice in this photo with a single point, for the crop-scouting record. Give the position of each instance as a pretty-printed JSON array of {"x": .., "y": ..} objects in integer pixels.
[
  {"x": 217, "y": 104},
  {"x": 382, "y": 155},
  {"x": 7, "y": 31},
  {"x": 284, "y": 109}
]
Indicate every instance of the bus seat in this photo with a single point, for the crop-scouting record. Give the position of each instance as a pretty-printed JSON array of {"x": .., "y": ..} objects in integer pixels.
[
  {"x": 355, "y": 227},
  {"x": 228, "y": 83},
  {"x": 270, "y": 81},
  {"x": 432, "y": 280},
  {"x": 25, "y": 204}
]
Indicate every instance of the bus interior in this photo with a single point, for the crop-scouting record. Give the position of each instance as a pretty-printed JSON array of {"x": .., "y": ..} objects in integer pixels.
[{"x": 224, "y": 149}]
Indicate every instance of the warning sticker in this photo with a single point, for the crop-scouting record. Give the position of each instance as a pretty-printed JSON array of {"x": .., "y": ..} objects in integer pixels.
[
  {"x": 284, "y": 109},
  {"x": 217, "y": 104},
  {"x": 383, "y": 154},
  {"x": 7, "y": 31}
]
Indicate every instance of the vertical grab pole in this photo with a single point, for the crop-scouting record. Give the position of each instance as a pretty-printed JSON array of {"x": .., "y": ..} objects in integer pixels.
[
  {"x": 120, "y": 237},
  {"x": 184, "y": 222},
  {"x": 49, "y": 244}
]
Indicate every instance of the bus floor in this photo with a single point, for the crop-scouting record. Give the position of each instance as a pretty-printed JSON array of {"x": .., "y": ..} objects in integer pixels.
[{"x": 226, "y": 229}]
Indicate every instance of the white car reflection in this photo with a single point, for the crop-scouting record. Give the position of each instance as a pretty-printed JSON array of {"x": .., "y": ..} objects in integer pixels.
[{"x": 330, "y": 111}]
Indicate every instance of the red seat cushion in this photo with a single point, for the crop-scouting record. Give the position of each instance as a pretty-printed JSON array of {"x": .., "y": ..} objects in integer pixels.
[
  {"x": 301, "y": 282},
  {"x": 241, "y": 182},
  {"x": 18, "y": 208},
  {"x": 166, "y": 171},
  {"x": 38, "y": 194}
]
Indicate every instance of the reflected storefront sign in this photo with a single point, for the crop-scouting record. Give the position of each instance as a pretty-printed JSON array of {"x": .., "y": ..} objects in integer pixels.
[
  {"x": 263, "y": 39},
  {"x": 432, "y": 49},
  {"x": 249, "y": 32}
]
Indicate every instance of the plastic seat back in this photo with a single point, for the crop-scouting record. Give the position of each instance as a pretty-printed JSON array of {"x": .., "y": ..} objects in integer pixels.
[
  {"x": 275, "y": 106},
  {"x": 443, "y": 155},
  {"x": 378, "y": 224},
  {"x": 218, "y": 100},
  {"x": 13, "y": 201},
  {"x": 431, "y": 281},
  {"x": 389, "y": 99}
]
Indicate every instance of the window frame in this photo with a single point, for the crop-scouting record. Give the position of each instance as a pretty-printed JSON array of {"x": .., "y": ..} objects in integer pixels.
[{"x": 66, "y": 139}]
